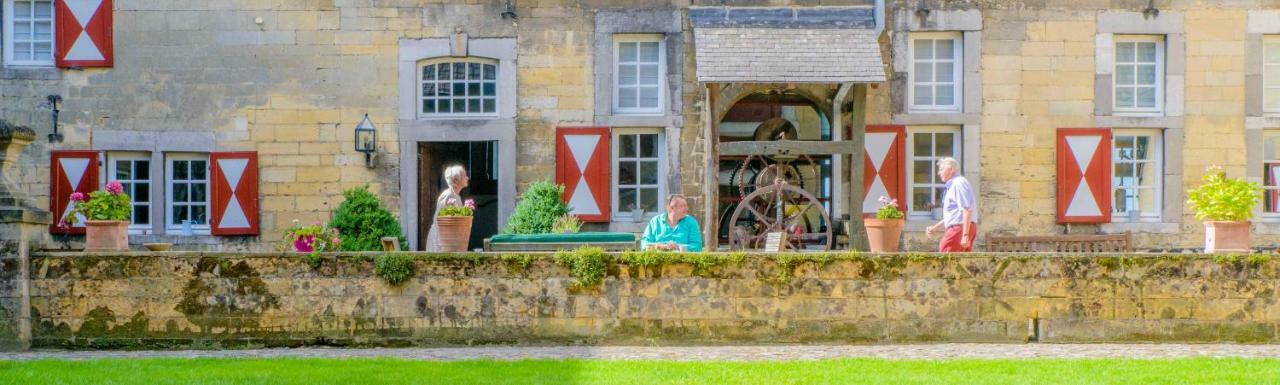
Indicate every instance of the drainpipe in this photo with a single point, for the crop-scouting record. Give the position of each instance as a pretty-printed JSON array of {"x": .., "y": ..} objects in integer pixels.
[{"x": 879, "y": 14}]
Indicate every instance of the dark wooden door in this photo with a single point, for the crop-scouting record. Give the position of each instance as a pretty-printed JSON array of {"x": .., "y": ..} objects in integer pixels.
[{"x": 480, "y": 161}]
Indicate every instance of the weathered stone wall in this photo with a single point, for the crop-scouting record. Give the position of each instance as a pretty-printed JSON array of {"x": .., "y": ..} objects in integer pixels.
[
  {"x": 12, "y": 289},
  {"x": 194, "y": 299}
]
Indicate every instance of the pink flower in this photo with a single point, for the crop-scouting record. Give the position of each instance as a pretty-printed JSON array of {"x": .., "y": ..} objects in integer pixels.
[
  {"x": 115, "y": 187},
  {"x": 77, "y": 196},
  {"x": 335, "y": 241},
  {"x": 469, "y": 203},
  {"x": 884, "y": 200}
]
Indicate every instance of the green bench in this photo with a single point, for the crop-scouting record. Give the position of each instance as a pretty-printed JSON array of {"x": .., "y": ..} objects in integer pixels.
[{"x": 556, "y": 242}]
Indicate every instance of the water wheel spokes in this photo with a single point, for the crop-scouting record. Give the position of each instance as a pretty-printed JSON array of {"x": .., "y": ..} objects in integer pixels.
[{"x": 781, "y": 207}]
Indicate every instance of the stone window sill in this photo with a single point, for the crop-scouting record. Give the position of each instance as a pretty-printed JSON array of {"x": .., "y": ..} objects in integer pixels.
[
  {"x": 195, "y": 239},
  {"x": 1141, "y": 227},
  {"x": 30, "y": 73}
]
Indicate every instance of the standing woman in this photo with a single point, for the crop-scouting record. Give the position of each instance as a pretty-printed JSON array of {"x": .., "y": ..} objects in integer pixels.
[{"x": 456, "y": 177}]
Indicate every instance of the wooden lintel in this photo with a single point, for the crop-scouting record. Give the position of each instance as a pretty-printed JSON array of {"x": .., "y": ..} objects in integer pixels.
[{"x": 787, "y": 147}]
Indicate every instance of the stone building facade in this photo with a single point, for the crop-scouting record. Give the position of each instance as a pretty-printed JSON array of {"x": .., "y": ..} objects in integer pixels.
[{"x": 1184, "y": 85}]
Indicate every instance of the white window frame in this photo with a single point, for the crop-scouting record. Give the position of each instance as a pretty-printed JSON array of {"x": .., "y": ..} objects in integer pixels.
[
  {"x": 1159, "y": 41},
  {"x": 169, "y": 158},
  {"x": 618, "y": 40},
  {"x": 497, "y": 88},
  {"x": 1156, "y": 157},
  {"x": 957, "y": 145},
  {"x": 624, "y": 214},
  {"x": 114, "y": 156},
  {"x": 1270, "y": 217},
  {"x": 1268, "y": 83},
  {"x": 957, "y": 60},
  {"x": 8, "y": 35}
]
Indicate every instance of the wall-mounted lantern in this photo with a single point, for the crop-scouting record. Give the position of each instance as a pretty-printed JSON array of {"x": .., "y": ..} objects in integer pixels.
[
  {"x": 366, "y": 140},
  {"x": 1151, "y": 11}
]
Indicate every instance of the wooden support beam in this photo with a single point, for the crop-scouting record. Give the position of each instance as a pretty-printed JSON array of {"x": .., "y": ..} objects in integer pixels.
[
  {"x": 711, "y": 180},
  {"x": 838, "y": 184},
  {"x": 787, "y": 147},
  {"x": 858, "y": 122}
]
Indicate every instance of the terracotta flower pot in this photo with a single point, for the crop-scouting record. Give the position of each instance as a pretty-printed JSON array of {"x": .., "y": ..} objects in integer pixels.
[
  {"x": 106, "y": 235},
  {"x": 883, "y": 234},
  {"x": 455, "y": 232},
  {"x": 1220, "y": 236}
]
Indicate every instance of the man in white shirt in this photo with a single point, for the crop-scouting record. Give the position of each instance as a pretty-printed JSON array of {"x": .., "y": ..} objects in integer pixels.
[{"x": 959, "y": 210}]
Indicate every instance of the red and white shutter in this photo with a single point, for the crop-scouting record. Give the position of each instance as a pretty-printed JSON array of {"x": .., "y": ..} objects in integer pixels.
[
  {"x": 234, "y": 193},
  {"x": 1084, "y": 175},
  {"x": 69, "y": 172},
  {"x": 885, "y": 167},
  {"x": 83, "y": 33},
  {"x": 582, "y": 166}
]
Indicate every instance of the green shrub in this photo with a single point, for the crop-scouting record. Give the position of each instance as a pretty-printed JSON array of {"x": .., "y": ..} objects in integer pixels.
[
  {"x": 363, "y": 221},
  {"x": 586, "y": 264},
  {"x": 538, "y": 209},
  {"x": 393, "y": 268},
  {"x": 1223, "y": 199}
]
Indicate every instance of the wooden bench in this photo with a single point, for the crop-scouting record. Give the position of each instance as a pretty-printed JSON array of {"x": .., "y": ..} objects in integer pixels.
[{"x": 1109, "y": 243}]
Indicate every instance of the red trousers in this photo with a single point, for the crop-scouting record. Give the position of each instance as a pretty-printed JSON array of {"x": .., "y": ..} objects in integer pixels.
[{"x": 951, "y": 239}]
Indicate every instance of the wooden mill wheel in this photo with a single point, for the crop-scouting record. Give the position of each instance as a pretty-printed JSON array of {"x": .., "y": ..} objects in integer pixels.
[{"x": 785, "y": 208}]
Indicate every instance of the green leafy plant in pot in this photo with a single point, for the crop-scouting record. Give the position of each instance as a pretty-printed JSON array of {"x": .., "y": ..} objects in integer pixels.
[
  {"x": 106, "y": 217},
  {"x": 1225, "y": 205}
]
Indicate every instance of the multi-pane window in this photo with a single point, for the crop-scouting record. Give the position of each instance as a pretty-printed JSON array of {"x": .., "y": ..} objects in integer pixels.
[
  {"x": 1271, "y": 74},
  {"x": 1139, "y": 73},
  {"x": 134, "y": 172},
  {"x": 935, "y": 75},
  {"x": 926, "y": 146},
  {"x": 637, "y": 170},
  {"x": 640, "y": 68},
  {"x": 1271, "y": 173},
  {"x": 1135, "y": 178},
  {"x": 459, "y": 88},
  {"x": 28, "y": 32},
  {"x": 188, "y": 195}
]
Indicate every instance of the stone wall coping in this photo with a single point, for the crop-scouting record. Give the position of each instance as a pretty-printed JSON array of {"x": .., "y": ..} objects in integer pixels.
[{"x": 835, "y": 255}]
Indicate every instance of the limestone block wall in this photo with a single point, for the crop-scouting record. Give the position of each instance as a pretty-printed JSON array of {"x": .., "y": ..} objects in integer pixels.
[
  {"x": 235, "y": 300},
  {"x": 293, "y": 86},
  {"x": 12, "y": 334}
]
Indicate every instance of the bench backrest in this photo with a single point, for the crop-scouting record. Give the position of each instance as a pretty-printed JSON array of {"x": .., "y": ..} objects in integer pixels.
[{"x": 1110, "y": 243}]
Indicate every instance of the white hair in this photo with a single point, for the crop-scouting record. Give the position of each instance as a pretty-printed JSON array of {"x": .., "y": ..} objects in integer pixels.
[
  {"x": 672, "y": 198},
  {"x": 949, "y": 162},
  {"x": 452, "y": 174}
]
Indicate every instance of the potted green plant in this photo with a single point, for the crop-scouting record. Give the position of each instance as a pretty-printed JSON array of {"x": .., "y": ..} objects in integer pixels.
[
  {"x": 1225, "y": 205},
  {"x": 314, "y": 238},
  {"x": 454, "y": 223},
  {"x": 106, "y": 215},
  {"x": 884, "y": 231}
]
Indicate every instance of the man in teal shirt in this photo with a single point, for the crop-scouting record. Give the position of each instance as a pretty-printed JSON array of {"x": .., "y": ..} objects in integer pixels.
[{"x": 674, "y": 230}]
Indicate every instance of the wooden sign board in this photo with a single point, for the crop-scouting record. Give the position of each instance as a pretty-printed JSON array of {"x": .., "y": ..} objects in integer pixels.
[
  {"x": 773, "y": 242},
  {"x": 390, "y": 244}
]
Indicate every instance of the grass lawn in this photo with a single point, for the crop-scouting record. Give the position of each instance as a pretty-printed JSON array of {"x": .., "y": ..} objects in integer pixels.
[{"x": 573, "y": 372}]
